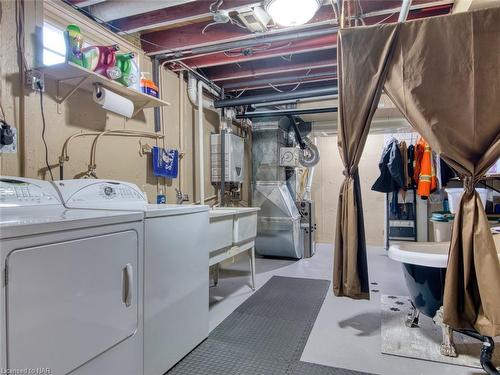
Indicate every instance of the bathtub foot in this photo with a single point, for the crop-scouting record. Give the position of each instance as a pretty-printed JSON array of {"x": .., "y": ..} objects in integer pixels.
[
  {"x": 448, "y": 348},
  {"x": 412, "y": 317}
]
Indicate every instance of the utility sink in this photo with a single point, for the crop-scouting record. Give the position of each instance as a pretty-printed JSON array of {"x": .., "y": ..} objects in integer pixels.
[
  {"x": 221, "y": 229},
  {"x": 232, "y": 226},
  {"x": 245, "y": 223}
]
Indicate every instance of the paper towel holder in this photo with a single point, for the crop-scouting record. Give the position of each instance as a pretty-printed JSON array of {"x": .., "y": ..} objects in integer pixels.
[{"x": 98, "y": 90}]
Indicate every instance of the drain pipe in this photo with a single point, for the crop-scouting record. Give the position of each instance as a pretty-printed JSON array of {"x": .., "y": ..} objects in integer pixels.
[
  {"x": 181, "y": 131},
  {"x": 200, "y": 143},
  {"x": 195, "y": 94},
  {"x": 194, "y": 91}
]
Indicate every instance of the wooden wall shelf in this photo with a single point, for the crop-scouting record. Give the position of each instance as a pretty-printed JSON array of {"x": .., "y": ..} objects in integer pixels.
[{"x": 79, "y": 78}]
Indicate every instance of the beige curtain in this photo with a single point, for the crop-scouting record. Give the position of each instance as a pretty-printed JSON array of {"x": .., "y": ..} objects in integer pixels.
[
  {"x": 445, "y": 78},
  {"x": 360, "y": 93}
]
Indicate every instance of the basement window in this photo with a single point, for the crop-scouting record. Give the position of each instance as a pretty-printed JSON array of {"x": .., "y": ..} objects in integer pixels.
[{"x": 54, "y": 46}]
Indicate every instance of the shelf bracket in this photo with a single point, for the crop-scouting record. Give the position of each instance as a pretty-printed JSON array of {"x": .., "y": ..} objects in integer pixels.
[
  {"x": 139, "y": 108},
  {"x": 62, "y": 99}
]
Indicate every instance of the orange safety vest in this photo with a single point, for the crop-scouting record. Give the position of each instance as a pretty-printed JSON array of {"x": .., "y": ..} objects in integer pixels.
[{"x": 424, "y": 170}]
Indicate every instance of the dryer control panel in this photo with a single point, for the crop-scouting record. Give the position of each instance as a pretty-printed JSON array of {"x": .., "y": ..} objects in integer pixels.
[
  {"x": 17, "y": 191},
  {"x": 93, "y": 191}
]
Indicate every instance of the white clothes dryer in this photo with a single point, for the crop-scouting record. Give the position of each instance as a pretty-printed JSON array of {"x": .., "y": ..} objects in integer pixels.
[{"x": 70, "y": 297}]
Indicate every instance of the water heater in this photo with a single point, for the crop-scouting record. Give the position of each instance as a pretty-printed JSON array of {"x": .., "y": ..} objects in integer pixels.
[{"x": 234, "y": 160}]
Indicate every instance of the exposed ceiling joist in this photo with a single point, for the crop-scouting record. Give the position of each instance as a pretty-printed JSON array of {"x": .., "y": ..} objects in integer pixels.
[
  {"x": 86, "y": 3},
  {"x": 192, "y": 12},
  {"x": 283, "y": 49},
  {"x": 331, "y": 80},
  {"x": 286, "y": 79},
  {"x": 115, "y": 9},
  {"x": 190, "y": 36},
  {"x": 413, "y": 7},
  {"x": 228, "y": 75}
]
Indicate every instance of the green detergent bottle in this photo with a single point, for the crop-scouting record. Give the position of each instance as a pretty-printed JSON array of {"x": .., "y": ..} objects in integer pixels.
[
  {"x": 125, "y": 62},
  {"x": 74, "y": 43}
]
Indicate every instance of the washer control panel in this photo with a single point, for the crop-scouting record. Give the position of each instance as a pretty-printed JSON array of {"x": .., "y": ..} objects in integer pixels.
[
  {"x": 94, "y": 191},
  {"x": 16, "y": 191}
]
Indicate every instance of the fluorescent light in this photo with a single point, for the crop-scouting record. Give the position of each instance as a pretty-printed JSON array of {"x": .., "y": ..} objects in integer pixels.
[{"x": 292, "y": 12}]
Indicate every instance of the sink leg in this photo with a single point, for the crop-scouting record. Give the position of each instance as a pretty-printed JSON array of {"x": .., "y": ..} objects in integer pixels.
[
  {"x": 216, "y": 274},
  {"x": 448, "y": 348},
  {"x": 251, "y": 254},
  {"x": 412, "y": 317}
]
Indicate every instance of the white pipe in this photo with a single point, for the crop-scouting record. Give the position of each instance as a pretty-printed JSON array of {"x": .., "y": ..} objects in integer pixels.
[
  {"x": 200, "y": 143},
  {"x": 181, "y": 129},
  {"x": 405, "y": 9},
  {"x": 193, "y": 93}
]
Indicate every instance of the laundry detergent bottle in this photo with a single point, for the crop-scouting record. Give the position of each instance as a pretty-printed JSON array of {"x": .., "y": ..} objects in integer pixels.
[
  {"x": 148, "y": 86},
  {"x": 74, "y": 43},
  {"x": 128, "y": 68},
  {"x": 102, "y": 60}
]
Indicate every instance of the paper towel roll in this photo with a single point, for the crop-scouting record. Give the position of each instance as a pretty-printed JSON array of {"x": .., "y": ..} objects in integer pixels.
[{"x": 113, "y": 102}]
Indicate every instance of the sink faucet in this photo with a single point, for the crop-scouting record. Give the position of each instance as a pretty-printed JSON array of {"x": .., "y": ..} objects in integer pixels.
[{"x": 181, "y": 198}]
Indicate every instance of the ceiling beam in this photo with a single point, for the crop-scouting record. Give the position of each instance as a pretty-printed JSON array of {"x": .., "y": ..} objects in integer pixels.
[
  {"x": 413, "y": 15},
  {"x": 287, "y": 78},
  {"x": 116, "y": 9},
  {"x": 165, "y": 18},
  {"x": 249, "y": 73},
  {"x": 187, "y": 37},
  {"x": 248, "y": 54},
  {"x": 85, "y": 3},
  {"x": 413, "y": 7},
  {"x": 331, "y": 78}
]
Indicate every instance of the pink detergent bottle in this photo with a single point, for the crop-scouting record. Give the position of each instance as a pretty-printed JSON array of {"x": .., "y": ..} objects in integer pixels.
[{"x": 102, "y": 60}]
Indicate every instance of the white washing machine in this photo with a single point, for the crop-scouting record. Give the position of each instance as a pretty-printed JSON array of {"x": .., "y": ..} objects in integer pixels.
[
  {"x": 70, "y": 296},
  {"x": 175, "y": 266}
]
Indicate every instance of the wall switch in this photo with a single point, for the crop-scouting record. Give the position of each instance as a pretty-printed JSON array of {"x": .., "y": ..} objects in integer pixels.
[{"x": 35, "y": 79}]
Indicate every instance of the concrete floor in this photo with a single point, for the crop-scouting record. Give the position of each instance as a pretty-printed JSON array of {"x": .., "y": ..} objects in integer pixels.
[{"x": 347, "y": 332}]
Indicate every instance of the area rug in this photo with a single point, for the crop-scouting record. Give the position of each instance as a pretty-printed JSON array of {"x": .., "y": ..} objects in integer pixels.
[
  {"x": 423, "y": 342},
  {"x": 264, "y": 335}
]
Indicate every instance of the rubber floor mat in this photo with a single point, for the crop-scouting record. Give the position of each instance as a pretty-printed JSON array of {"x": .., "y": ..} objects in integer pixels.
[{"x": 265, "y": 335}]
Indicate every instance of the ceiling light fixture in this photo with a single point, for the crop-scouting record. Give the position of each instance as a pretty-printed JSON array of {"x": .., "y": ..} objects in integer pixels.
[{"x": 292, "y": 12}]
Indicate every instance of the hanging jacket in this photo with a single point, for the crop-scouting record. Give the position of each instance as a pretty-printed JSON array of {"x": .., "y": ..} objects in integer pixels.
[
  {"x": 391, "y": 169},
  {"x": 447, "y": 173},
  {"x": 403, "y": 149},
  {"x": 419, "y": 153},
  {"x": 427, "y": 181},
  {"x": 411, "y": 161}
]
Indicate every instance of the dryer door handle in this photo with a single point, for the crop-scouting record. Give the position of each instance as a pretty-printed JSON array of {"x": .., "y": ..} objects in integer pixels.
[{"x": 128, "y": 284}]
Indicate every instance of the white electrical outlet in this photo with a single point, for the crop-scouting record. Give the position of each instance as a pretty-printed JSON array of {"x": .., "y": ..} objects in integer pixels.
[
  {"x": 12, "y": 148},
  {"x": 33, "y": 78}
]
